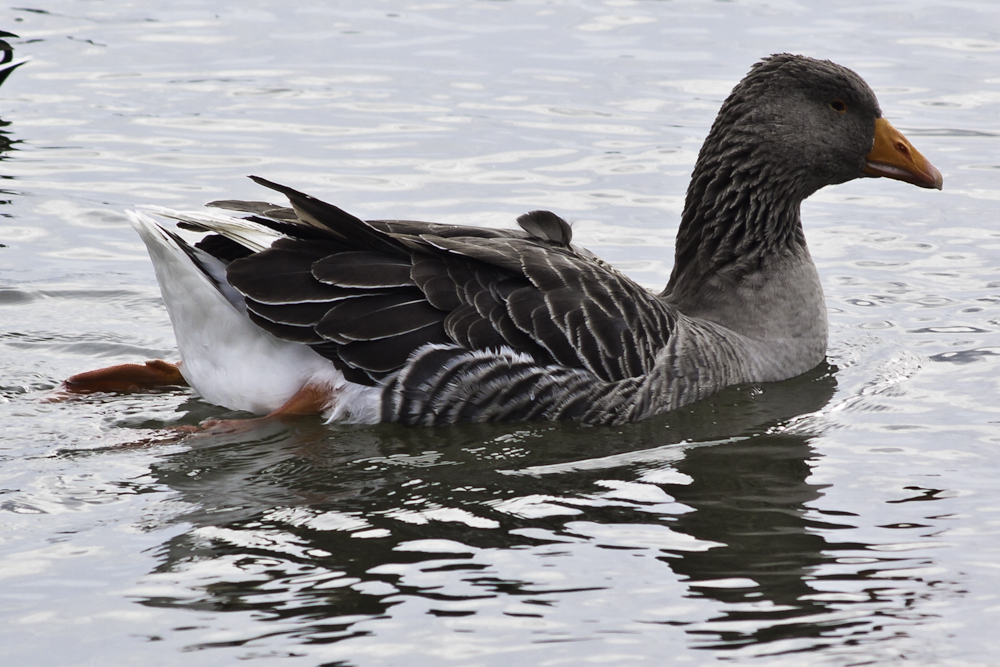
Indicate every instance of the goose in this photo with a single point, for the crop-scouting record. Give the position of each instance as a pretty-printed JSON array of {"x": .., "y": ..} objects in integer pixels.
[{"x": 306, "y": 309}]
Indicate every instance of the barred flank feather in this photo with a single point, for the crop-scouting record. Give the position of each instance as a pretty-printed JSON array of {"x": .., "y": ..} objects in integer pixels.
[{"x": 443, "y": 384}]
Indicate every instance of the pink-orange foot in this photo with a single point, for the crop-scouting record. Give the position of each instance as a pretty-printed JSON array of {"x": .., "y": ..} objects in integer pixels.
[
  {"x": 127, "y": 378},
  {"x": 310, "y": 400}
]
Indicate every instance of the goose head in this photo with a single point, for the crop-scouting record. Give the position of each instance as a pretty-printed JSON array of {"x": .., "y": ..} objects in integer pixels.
[
  {"x": 809, "y": 123},
  {"x": 792, "y": 126}
]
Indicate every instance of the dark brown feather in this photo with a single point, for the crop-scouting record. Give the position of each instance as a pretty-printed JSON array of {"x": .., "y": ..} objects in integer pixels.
[
  {"x": 386, "y": 355},
  {"x": 548, "y": 226},
  {"x": 293, "y": 314},
  {"x": 378, "y": 316},
  {"x": 276, "y": 276},
  {"x": 363, "y": 269},
  {"x": 284, "y": 331}
]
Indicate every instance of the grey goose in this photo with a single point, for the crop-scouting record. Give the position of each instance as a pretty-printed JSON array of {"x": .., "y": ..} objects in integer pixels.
[{"x": 310, "y": 310}]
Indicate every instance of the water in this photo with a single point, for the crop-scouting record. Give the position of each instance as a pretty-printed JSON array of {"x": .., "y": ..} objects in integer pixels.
[{"x": 850, "y": 516}]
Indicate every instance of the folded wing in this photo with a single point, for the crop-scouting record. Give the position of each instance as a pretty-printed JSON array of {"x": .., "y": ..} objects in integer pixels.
[{"x": 375, "y": 296}]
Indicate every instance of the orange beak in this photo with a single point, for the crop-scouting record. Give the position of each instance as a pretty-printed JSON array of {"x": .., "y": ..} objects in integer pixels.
[{"x": 893, "y": 156}]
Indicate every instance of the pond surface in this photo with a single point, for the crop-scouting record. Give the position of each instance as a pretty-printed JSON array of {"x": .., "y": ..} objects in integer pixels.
[{"x": 850, "y": 516}]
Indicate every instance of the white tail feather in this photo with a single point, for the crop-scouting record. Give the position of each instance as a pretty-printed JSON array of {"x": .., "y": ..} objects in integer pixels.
[
  {"x": 248, "y": 234},
  {"x": 228, "y": 359}
]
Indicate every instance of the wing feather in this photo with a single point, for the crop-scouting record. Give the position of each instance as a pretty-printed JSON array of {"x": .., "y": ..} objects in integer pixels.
[
  {"x": 386, "y": 300},
  {"x": 383, "y": 356},
  {"x": 378, "y": 316},
  {"x": 361, "y": 268}
]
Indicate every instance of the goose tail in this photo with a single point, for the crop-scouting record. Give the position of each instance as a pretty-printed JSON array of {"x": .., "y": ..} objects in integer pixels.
[{"x": 226, "y": 358}]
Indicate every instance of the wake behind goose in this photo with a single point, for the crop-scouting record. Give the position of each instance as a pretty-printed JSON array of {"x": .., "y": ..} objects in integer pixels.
[{"x": 309, "y": 309}]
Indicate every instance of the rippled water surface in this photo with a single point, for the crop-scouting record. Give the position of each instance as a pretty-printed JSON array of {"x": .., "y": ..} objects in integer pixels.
[{"x": 850, "y": 516}]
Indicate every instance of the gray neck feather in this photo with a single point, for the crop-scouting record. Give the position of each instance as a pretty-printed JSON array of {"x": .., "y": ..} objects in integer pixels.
[
  {"x": 741, "y": 260},
  {"x": 736, "y": 220},
  {"x": 742, "y": 206}
]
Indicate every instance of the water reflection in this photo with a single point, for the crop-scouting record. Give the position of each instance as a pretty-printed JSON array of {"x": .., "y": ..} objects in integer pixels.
[
  {"x": 332, "y": 529},
  {"x": 6, "y": 145},
  {"x": 7, "y": 64},
  {"x": 753, "y": 498}
]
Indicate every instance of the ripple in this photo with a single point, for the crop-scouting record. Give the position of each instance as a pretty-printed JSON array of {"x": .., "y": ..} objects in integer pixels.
[
  {"x": 586, "y": 128},
  {"x": 638, "y": 536},
  {"x": 86, "y": 217},
  {"x": 543, "y": 110},
  {"x": 316, "y": 520},
  {"x": 36, "y": 561},
  {"x": 954, "y": 43},
  {"x": 91, "y": 254},
  {"x": 948, "y": 132},
  {"x": 137, "y": 190},
  {"x": 244, "y": 125},
  {"x": 874, "y": 201},
  {"x": 701, "y": 86},
  {"x": 13, "y": 296},
  {"x": 612, "y": 163},
  {"x": 949, "y": 329},
  {"x": 172, "y": 142},
  {"x": 965, "y": 356},
  {"x": 983, "y": 193},
  {"x": 194, "y": 161},
  {"x": 971, "y": 100},
  {"x": 614, "y": 22},
  {"x": 15, "y": 234},
  {"x": 186, "y": 39}
]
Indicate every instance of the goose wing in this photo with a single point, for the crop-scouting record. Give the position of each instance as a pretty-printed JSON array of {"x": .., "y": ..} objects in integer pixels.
[{"x": 368, "y": 295}]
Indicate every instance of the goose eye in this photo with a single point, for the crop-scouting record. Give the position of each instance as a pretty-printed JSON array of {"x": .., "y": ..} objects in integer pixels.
[{"x": 838, "y": 106}]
